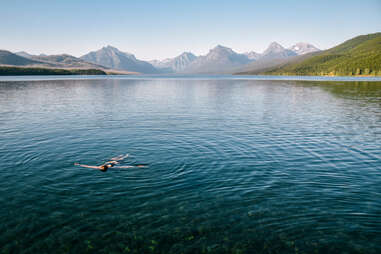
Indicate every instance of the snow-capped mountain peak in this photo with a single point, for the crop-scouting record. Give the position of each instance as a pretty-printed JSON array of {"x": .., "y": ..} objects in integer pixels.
[
  {"x": 275, "y": 50},
  {"x": 302, "y": 48}
]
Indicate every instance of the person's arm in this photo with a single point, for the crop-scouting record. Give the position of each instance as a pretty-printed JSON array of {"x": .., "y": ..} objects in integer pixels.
[
  {"x": 125, "y": 156},
  {"x": 133, "y": 166},
  {"x": 120, "y": 157},
  {"x": 86, "y": 166},
  {"x": 124, "y": 166}
]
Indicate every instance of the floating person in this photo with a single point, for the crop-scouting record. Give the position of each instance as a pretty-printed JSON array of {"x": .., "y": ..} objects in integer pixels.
[{"x": 109, "y": 164}]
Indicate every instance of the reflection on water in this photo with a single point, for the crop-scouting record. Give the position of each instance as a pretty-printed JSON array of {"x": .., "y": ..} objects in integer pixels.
[
  {"x": 235, "y": 166},
  {"x": 353, "y": 90}
]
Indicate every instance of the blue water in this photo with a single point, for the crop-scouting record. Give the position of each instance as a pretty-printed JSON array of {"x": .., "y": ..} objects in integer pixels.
[
  {"x": 186, "y": 77},
  {"x": 236, "y": 165}
]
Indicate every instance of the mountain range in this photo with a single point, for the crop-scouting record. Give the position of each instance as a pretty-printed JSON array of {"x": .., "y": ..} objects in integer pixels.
[
  {"x": 115, "y": 59},
  {"x": 219, "y": 59},
  {"x": 222, "y": 59},
  {"x": 176, "y": 64},
  {"x": 358, "y": 56},
  {"x": 8, "y": 58},
  {"x": 52, "y": 61}
]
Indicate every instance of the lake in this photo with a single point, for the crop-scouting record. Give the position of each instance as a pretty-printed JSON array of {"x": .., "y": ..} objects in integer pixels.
[{"x": 235, "y": 165}]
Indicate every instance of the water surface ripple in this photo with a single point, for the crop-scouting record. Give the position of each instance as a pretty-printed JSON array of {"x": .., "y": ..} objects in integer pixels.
[{"x": 235, "y": 166}]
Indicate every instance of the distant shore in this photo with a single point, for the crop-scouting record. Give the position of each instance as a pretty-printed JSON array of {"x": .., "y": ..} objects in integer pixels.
[
  {"x": 21, "y": 71},
  {"x": 304, "y": 74},
  {"x": 15, "y": 71}
]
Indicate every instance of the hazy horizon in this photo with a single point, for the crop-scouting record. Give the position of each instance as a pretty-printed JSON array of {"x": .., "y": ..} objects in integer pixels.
[{"x": 153, "y": 30}]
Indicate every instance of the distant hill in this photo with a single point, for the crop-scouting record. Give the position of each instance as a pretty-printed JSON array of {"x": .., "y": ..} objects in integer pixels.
[
  {"x": 23, "y": 54},
  {"x": 12, "y": 71},
  {"x": 8, "y": 58},
  {"x": 113, "y": 58},
  {"x": 176, "y": 64},
  {"x": 16, "y": 64},
  {"x": 57, "y": 61},
  {"x": 66, "y": 61},
  {"x": 358, "y": 56},
  {"x": 218, "y": 60},
  {"x": 261, "y": 65}
]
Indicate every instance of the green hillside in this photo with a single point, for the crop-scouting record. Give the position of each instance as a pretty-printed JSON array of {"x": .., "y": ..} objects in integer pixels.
[
  {"x": 11, "y": 71},
  {"x": 360, "y": 56}
]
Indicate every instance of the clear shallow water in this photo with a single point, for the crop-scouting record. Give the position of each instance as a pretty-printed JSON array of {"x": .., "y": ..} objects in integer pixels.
[{"x": 235, "y": 166}]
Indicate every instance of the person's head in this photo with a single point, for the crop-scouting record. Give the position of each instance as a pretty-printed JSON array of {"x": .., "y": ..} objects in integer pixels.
[{"x": 103, "y": 168}]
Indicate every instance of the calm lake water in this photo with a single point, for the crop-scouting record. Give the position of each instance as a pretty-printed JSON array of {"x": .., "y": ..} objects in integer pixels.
[{"x": 235, "y": 166}]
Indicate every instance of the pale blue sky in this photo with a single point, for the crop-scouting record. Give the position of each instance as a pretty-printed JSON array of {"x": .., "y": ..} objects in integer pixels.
[{"x": 159, "y": 29}]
